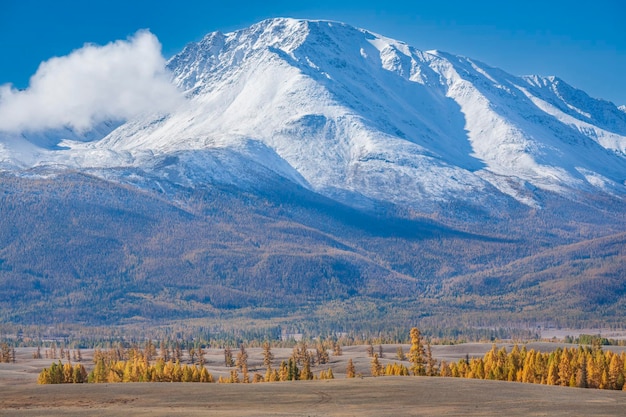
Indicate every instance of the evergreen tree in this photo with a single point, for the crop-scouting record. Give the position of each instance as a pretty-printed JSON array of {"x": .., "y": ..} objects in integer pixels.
[
  {"x": 98, "y": 374},
  {"x": 80, "y": 374},
  {"x": 293, "y": 373}
]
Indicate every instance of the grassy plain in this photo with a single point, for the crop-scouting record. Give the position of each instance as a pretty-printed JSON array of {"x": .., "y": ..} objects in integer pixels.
[{"x": 366, "y": 396}]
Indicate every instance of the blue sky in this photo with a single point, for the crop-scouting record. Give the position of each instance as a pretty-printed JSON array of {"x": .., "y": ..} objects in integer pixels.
[{"x": 581, "y": 42}]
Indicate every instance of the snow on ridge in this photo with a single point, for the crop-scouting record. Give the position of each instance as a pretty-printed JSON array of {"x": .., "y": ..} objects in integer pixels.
[
  {"x": 347, "y": 112},
  {"x": 344, "y": 59},
  {"x": 578, "y": 104}
]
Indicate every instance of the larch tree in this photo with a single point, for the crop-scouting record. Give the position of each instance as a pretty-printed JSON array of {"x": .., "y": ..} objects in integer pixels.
[
  {"x": 400, "y": 354},
  {"x": 242, "y": 357},
  {"x": 615, "y": 370},
  {"x": 337, "y": 349},
  {"x": 581, "y": 373},
  {"x": 178, "y": 352},
  {"x": 306, "y": 373},
  {"x": 565, "y": 368},
  {"x": 416, "y": 353},
  {"x": 350, "y": 370},
  {"x": 165, "y": 353},
  {"x": 201, "y": 353},
  {"x": 553, "y": 370},
  {"x": 376, "y": 368},
  {"x": 268, "y": 357},
  {"x": 431, "y": 362},
  {"x": 228, "y": 357},
  {"x": 322, "y": 354}
]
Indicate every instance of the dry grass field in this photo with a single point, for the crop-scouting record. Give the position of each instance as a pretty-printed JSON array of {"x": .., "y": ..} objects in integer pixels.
[
  {"x": 384, "y": 396},
  {"x": 367, "y": 396}
]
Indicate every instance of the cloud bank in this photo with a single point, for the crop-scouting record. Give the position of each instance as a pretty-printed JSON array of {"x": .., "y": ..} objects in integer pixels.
[{"x": 92, "y": 84}]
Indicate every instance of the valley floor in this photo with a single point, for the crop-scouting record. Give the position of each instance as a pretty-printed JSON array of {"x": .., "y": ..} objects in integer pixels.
[
  {"x": 367, "y": 396},
  {"x": 397, "y": 396}
]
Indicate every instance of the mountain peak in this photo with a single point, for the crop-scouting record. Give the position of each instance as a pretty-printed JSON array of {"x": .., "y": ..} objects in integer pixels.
[{"x": 362, "y": 118}]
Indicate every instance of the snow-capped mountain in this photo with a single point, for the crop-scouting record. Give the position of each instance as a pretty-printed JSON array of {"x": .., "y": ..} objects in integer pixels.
[
  {"x": 357, "y": 117},
  {"x": 266, "y": 191}
]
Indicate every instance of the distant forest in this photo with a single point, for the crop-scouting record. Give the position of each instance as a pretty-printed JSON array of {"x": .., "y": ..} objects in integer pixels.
[{"x": 214, "y": 258}]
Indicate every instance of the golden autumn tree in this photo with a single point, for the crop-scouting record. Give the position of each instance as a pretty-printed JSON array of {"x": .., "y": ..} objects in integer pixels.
[
  {"x": 376, "y": 368},
  {"x": 228, "y": 357},
  {"x": 242, "y": 358},
  {"x": 350, "y": 370},
  {"x": 400, "y": 354},
  {"x": 416, "y": 353},
  {"x": 268, "y": 357}
]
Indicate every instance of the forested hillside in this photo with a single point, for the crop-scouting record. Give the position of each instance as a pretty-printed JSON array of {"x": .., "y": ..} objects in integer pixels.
[{"x": 77, "y": 249}]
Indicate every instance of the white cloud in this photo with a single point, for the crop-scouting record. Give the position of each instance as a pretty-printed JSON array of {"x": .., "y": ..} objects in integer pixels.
[{"x": 92, "y": 84}]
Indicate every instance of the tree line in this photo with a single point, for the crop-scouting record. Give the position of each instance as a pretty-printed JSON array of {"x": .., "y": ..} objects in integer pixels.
[
  {"x": 143, "y": 365},
  {"x": 138, "y": 368},
  {"x": 583, "y": 366}
]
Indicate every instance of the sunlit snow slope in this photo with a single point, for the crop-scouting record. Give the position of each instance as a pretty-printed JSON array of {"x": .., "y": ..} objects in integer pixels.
[{"x": 360, "y": 118}]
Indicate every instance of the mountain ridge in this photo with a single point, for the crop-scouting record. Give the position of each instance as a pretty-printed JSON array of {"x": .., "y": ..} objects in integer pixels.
[
  {"x": 321, "y": 173},
  {"x": 361, "y": 118}
]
